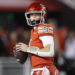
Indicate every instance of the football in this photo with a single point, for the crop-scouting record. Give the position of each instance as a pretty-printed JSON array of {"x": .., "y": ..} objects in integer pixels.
[{"x": 20, "y": 56}]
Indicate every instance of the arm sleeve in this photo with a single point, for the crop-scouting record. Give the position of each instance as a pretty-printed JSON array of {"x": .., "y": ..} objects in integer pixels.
[{"x": 47, "y": 40}]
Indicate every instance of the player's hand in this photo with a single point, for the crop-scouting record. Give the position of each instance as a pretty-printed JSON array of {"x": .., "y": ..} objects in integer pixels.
[{"x": 21, "y": 47}]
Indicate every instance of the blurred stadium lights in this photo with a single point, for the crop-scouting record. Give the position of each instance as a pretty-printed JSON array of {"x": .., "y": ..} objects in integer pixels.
[
  {"x": 14, "y": 4},
  {"x": 70, "y": 3},
  {"x": 21, "y": 5}
]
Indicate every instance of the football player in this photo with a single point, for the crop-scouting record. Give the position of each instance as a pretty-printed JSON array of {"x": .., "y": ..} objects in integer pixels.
[{"x": 41, "y": 44}]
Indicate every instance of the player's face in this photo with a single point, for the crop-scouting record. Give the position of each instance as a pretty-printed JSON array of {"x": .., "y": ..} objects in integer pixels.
[{"x": 35, "y": 17}]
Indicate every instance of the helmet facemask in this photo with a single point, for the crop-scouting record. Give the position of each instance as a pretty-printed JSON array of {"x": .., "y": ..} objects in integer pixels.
[{"x": 35, "y": 22}]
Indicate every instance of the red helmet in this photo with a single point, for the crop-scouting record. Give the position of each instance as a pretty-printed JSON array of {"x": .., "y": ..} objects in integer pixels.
[{"x": 35, "y": 8}]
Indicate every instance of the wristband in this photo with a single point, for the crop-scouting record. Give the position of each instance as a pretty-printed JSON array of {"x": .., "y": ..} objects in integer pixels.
[{"x": 33, "y": 50}]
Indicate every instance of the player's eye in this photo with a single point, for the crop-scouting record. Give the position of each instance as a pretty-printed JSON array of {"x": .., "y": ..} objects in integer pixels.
[{"x": 28, "y": 15}]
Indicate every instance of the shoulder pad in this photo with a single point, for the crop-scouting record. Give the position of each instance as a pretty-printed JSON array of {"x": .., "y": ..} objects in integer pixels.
[{"x": 45, "y": 29}]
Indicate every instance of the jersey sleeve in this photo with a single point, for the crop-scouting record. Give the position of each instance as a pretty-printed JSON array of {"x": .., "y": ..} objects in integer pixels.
[{"x": 46, "y": 40}]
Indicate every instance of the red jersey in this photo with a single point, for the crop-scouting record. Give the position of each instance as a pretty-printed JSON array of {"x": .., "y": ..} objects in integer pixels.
[{"x": 41, "y": 30}]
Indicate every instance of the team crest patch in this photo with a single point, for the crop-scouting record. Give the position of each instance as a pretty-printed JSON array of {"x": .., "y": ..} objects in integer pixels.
[{"x": 45, "y": 29}]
